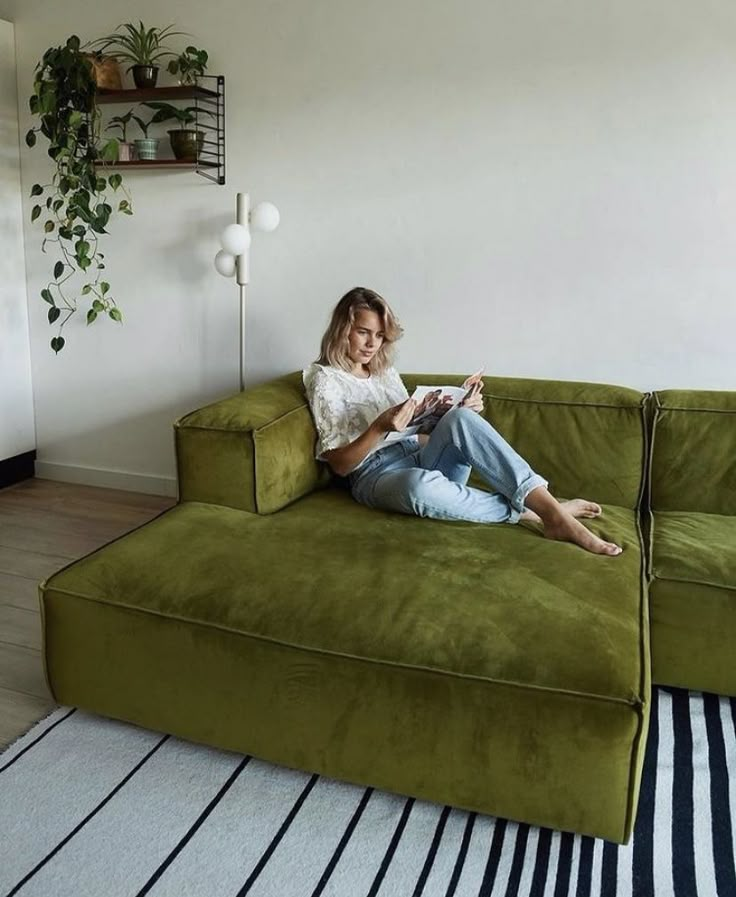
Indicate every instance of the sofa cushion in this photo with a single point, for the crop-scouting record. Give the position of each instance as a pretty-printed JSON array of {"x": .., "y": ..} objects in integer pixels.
[
  {"x": 481, "y": 666},
  {"x": 694, "y": 451},
  {"x": 693, "y": 601}
]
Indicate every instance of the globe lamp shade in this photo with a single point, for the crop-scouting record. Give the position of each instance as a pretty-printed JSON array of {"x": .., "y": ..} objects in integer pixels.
[
  {"x": 265, "y": 217},
  {"x": 225, "y": 263},
  {"x": 235, "y": 239}
]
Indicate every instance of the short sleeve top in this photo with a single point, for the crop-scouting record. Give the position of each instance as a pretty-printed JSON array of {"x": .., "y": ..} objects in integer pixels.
[{"x": 343, "y": 405}]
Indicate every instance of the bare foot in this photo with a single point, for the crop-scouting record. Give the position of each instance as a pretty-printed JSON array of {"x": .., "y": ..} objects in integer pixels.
[
  {"x": 577, "y": 507},
  {"x": 581, "y": 507},
  {"x": 567, "y": 529}
]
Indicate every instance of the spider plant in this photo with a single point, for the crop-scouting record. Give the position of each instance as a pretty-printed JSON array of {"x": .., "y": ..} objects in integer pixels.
[{"x": 140, "y": 46}]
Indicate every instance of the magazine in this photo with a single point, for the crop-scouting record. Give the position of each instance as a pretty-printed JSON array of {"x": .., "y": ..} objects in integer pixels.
[{"x": 418, "y": 424}]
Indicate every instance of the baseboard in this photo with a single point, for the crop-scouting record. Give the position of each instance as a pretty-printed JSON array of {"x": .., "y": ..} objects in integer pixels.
[
  {"x": 17, "y": 468},
  {"x": 107, "y": 479}
]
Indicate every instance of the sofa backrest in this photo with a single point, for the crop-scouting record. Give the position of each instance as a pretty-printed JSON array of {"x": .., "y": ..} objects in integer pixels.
[
  {"x": 587, "y": 439},
  {"x": 693, "y": 465},
  {"x": 255, "y": 450}
]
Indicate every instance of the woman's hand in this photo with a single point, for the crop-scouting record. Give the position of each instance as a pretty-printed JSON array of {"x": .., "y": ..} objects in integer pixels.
[
  {"x": 475, "y": 400},
  {"x": 477, "y": 377},
  {"x": 395, "y": 418},
  {"x": 433, "y": 403}
]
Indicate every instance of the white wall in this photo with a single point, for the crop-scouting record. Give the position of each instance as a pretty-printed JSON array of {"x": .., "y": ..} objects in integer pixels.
[
  {"x": 548, "y": 189},
  {"x": 17, "y": 434}
]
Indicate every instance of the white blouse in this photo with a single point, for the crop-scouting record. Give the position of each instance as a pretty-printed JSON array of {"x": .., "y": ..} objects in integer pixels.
[{"x": 344, "y": 405}]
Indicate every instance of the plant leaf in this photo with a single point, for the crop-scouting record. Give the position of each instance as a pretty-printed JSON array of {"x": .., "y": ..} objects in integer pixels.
[
  {"x": 109, "y": 151},
  {"x": 57, "y": 344},
  {"x": 58, "y": 270},
  {"x": 54, "y": 313}
]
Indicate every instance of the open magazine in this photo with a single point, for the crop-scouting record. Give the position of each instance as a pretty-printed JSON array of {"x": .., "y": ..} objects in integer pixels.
[{"x": 457, "y": 393}]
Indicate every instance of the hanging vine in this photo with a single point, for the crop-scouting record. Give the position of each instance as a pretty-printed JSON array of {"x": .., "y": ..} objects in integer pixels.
[{"x": 80, "y": 200}]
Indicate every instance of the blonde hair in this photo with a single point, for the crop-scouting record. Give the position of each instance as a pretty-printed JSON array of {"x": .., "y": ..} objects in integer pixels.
[{"x": 334, "y": 347}]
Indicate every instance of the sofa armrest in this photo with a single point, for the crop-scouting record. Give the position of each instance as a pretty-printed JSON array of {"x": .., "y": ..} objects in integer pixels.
[{"x": 253, "y": 451}]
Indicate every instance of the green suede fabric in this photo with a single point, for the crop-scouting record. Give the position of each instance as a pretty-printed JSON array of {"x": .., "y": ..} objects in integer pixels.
[
  {"x": 599, "y": 445},
  {"x": 481, "y": 666},
  {"x": 253, "y": 451},
  {"x": 694, "y": 452},
  {"x": 693, "y": 539},
  {"x": 693, "y": 601}
]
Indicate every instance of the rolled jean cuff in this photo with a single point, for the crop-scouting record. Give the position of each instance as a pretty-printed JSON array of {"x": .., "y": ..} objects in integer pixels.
[
  {"x": 513, "y": 515},
  {"x": 517, "y": 499}
]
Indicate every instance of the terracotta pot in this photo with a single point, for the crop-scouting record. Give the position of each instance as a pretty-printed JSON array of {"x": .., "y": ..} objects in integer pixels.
[{"x": 105, "y": 71}]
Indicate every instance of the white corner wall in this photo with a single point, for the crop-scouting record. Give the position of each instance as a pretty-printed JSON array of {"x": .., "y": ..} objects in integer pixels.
[
  {"x": 17, "y": 434},
  {"x": 548, "y": 189}
]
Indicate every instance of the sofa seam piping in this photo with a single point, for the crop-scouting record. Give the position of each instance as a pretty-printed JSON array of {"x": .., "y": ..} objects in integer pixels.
[
  {"x": 694, "y": 582},
  {"x": 644, "y": 660}
]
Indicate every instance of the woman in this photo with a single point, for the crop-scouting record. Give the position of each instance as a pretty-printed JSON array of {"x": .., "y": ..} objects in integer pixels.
[{"x": 357, "y": 398}]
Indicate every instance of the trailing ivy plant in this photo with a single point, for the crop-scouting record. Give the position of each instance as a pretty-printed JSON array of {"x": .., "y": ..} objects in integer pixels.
[{"x": 79, "y": 203}]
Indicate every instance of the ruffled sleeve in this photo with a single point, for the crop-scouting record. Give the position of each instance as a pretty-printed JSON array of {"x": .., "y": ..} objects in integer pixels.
[{"x": 329, "y": 407}]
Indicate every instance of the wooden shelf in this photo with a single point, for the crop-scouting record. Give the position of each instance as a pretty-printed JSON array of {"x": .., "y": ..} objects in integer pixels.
[
  {"x": 209, "y": 103},
  {"x": 160, "y": 163},
  {"x": 139, "y": 94}
]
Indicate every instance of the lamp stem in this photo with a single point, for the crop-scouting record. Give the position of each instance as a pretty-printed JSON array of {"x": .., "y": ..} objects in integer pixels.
[
  {"x": 242, "y": 337},
  {"x": 242, "y": 272}
]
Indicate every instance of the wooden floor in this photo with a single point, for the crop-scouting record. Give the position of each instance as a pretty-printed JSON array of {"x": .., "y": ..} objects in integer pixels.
[{"x": 44, "y": 525}]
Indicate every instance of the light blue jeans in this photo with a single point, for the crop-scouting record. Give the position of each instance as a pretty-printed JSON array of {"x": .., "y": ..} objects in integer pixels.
[{"x": 430, "y": 480}]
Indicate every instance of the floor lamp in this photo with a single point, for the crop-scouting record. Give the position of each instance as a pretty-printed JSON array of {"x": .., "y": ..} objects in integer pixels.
[{"x": 234, "y": 257}]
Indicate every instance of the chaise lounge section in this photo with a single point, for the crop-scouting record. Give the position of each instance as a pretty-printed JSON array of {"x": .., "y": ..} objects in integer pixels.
[{"x": 481, "y": 666}]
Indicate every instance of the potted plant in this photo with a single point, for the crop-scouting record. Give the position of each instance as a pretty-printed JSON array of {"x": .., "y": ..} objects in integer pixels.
[
  {"x": 146, "y": 147},
  {"x": 125, "y": 148},
  {"x": 105, "y": 70},
  {"x": 186, "y": 143},
  {"x": 79, "y": 204},
  {"x": 140, "y": 46},
  {"x": 189, "y": 65}
]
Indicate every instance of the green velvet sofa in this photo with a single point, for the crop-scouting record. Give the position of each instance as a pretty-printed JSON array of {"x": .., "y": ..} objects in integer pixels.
[{"x": 480, "y": 666}]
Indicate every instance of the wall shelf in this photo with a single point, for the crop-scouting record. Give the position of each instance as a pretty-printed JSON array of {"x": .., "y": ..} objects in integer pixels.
[
  {"x": 210, "y": 161},
  {"x": 160, "y": 163}
]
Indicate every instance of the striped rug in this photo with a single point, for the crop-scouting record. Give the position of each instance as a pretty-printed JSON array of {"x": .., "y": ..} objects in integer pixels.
[{"x": 91, "y": 806}]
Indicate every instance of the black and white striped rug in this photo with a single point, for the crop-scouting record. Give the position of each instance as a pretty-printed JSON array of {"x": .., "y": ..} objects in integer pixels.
[{"x": 91, "y": 806}]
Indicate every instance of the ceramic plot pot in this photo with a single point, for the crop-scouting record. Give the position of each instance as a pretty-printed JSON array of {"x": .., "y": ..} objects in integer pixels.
[
  {"x": 126, "y": 152},
  {"x": 147, "y": 148},
  {"x": 186, "y": 143},
  {"x": 145, "y": 75}
]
